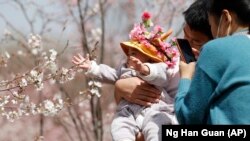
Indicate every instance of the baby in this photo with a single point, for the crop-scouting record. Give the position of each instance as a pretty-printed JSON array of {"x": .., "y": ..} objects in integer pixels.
[{"x": 154, "y": 61}]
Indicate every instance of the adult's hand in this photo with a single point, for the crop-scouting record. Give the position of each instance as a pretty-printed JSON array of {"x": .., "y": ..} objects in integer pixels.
[
  {"x": 139, "y": 137},
  {"x": 136, "y": 91},
  {"x": 196, "y": 53},
  {"x": 187, "y": 70}
]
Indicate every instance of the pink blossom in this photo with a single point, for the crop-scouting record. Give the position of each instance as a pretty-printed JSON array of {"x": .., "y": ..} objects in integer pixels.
[
  {"x": 137, "y": 33},
  {"x": 174, "y": 39},
  {"x": 157, "y": 29},
  {"x": 162, "y": 45},
  {"x": 146, "y": 43},
  {"x": 174, "y": 52},
  {"x": 159, "y": 54},
  {"x": 141, "y": 34},
  {"x": 168, "y": 45},
  {"x": 146, "y": 16},
  {"x": 170, "y": 64}
]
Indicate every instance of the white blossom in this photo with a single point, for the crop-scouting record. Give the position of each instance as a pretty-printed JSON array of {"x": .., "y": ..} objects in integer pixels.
[
  {"x": 95, "y": 91},
  {"x": 13, "y": 101},
  {"x": 23, "y": 83},
  {"x": 53, "y": 55},
  {"x": 57, "y": 96},
  {"x": 7, "y": 55},
  {"x": 39, "y": 86},
  {"x": 34, "y": 42},
  {"x": 33, "y": 108},
  {"x": 36, "y": 78},
  {"x": 7, "y": 32},
  {"x": 12, "y": 116},
  {"x": 66, "y": 75},
  {"x": 52, "y": 66},
  {"x": 48, "y": 105},
  {"x": 98, "y": 84},
  {"x": 33, "y": 73},
  {"x": 64, "y": 71},
  {"x": 90, "y": 83},
  {"x": 59, "y": 104},
  {"x": 96, "y": 33},
  {"x": 96, "y": 8},
  {"x": 4, "y": 100},
  {"x": 19, "y": 52},
  {"x": 52, "y": 81},
  {"x": 27, "y": 99},
  {"x": 51, "y": 109},
  {"x": 34, "y": 51}
]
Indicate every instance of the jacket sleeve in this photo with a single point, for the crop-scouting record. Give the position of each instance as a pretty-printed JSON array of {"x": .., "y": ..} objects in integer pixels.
[
  {"x": 103, "y": 73},
  {"x": 157, "y": 76},
  {"x": 191, "y": 102}
]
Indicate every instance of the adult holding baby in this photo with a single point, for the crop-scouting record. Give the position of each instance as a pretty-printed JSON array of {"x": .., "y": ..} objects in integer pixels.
[{"x": 216, "y": 90}]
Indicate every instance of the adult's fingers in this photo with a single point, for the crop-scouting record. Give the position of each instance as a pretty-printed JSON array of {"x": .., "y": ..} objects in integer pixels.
[
  {"x": 196, "y": 52},
  {"x": 139, "y": 137},
  {"x": 141, "y": 102},
  {"x": 148, "y": 90},
  {"x": 143, "y": 92},
  {"x": 147, "y": 98}
]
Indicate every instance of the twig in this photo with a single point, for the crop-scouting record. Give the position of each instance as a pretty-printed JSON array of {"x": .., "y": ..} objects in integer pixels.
[
  {"x": 12, "y": 26},
  {"x": 103, "y": 31},
  {"x": 73, "y": 118},
  {"x": 23, "y": 9},
  {"x": 66, "y": 129},
  {"x": 84, "y": 37},
  {"x": 66, "y": 46},
  {"x": 41, "y": 117},
  {"x": 75, "y": 123}
]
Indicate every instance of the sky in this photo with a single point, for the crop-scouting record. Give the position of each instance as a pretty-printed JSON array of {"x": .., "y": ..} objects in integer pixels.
[{"x": 13, "y": 14}]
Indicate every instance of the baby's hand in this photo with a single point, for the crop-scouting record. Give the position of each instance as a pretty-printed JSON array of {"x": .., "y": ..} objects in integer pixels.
[
  {"x": 83, "y": 63},
  {"x": 137, "y": 65}
]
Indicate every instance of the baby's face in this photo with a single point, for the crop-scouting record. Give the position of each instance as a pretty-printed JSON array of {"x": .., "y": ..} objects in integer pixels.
[{"x": 137, "y": 54}]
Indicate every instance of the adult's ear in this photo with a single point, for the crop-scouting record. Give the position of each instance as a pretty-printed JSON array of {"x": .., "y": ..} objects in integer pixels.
[
  {"x": 227, "y": 19},
  {"x": 227, "y": 15}
]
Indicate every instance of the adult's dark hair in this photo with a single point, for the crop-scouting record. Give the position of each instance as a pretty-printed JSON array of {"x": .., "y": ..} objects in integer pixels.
[
  {"x": 240, "y": 7},
  {"x": 197, "y": 18}
]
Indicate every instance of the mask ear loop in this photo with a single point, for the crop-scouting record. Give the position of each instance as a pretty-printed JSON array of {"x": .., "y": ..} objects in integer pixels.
[
  {"x": 218, "y": 29},
  {"x": 249, "y": 29},
  {"x": 228, "y": 30}
]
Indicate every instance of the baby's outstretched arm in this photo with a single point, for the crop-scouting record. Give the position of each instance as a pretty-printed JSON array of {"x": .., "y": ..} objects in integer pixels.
[
  {"x": 139, "y": 66},
  {"x": 82, "y": 62}
]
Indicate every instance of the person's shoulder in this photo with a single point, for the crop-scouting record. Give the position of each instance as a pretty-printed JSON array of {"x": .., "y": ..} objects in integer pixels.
[
  {"x": 211, "y": 47},
  {"x": 221, "y": 49},
  {"x": 215, "y": 42},
  {"x": 222, "y": 44}
]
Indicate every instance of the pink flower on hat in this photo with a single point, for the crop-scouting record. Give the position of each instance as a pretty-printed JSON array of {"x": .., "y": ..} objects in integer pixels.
[
  {"x": 154, "y": 38},
  {"x": 146, "y": 16},
  {"x": 158, "y": 29},
  {"x": 146, "y": 19},
  {"x": 137, "y": 33}
]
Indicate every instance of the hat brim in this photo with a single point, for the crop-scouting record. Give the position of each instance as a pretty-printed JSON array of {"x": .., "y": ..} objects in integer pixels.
[{"x": 150, "y": 53}]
